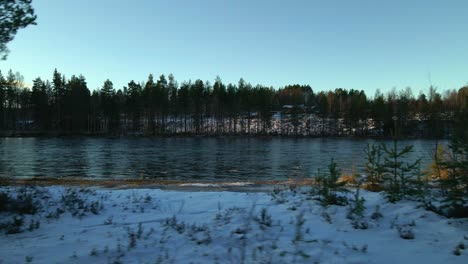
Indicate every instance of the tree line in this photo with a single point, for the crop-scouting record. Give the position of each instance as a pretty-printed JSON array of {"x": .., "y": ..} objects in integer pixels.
[{"x": 162, "y": 106}]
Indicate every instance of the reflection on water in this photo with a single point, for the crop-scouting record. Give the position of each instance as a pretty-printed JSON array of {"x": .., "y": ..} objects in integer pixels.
[{"x": 201, "y": 159}]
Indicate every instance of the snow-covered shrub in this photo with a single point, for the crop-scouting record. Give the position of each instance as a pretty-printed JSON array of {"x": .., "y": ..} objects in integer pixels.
[
  {"x": 364, "y": 249},
  {"x": 55, "y": 214},
  {"x": 148, "y": 199},
  {"x": 23, "y": 203},
  {"x": 360, "y": 224},
  {"x": 74, "y": 256},
  {"x": 264, "y": 219},
  {"x": 393, "y": 222},
  {"x": 134, "y": 235},
  {"x": 327, "y": 217},
  {"x": 206, "y": 238},
  {"x": 461, "y": 245},
  {"x": 225, "y": 217},
  {"x": 34, "y": 224},
  {"x": 458, "y": 249},
  {"x": 109, "y": 220},
  {"x": 76, "y": 202},
  {"x": 405, "y": 232},
  {"x": 200, "y": 234},
  {"x": 279, "y": 196},
  {"x": 174, "y": 224},
  {"x": 4, "y": 201},
  {"x": 376, "y": 214},
  {"x": 293, "y": 188},
  {"x": 131, "y": 239},
  {"x": 240, "y": 231},
  {"x": 139, "y": 230},
  {"x": 93, "y": 252},
  {"x": 14, "y": 226}
]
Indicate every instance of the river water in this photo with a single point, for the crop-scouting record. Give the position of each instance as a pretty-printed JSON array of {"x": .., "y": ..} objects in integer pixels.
[{"x": 188, "y": 159}]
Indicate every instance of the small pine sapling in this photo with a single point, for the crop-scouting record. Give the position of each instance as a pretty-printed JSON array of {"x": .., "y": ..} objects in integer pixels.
[
  {"x": 299, "y": 223},
  {"x": 356, "y": 210},
  {"x": 265, "y": 219},
  {"x": 398, "y": 173},
  {"x": 455, "y": 185},
  {"x": 374, "y": 168},
  {"x": 330, "y": 186}
]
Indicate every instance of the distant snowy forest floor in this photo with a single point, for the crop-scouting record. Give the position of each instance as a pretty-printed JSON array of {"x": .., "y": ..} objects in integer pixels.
[{"x": 97, "y": 225}]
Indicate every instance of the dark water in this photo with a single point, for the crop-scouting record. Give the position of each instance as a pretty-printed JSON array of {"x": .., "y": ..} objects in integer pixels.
[{"x": 191, "y": 159}]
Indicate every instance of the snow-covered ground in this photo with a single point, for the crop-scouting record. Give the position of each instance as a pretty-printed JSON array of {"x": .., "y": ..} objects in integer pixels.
[{"x": 97, "y": 225}]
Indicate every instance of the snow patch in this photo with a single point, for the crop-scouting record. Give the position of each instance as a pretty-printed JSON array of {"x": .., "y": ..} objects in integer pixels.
[{"x": 162, "y": 226}]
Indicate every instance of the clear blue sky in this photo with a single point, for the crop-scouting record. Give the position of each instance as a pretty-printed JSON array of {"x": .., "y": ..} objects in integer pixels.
[{"x": 327, "y": 44}]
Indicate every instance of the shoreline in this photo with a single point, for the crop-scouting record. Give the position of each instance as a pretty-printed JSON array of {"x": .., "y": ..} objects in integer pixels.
[
  {"x": 34, "y": 134},
  {"x": 178, "y": 185}
]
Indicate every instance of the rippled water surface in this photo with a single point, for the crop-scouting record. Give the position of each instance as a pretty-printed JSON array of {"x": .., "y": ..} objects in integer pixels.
[{"x": 190, "y": 159}]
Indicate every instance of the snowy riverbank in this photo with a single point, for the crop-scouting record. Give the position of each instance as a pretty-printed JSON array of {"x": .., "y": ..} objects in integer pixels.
[{"x": 96, "y": 225}]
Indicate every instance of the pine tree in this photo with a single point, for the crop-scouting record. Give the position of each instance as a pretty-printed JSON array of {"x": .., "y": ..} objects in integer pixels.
[
  {"x": 173, "y": 109},
  {"x": 107, "y": 94},
  {"x": 150, "y": 102},
  {"x": 133, "y": 102},
  {"x": 2, "y": 101},
  {"x": 14, "y": 14},
  {"x": 196, "y": 95},
  {"x": 12, "y": 99},
  {"x": 59, "y": 90},
  {"x": 78, "y": 104},
  {"x": 162, "y": 102},
  {"x": 39, "y": 102},
  {"x": 184, "y": 104},
  {"x": 219, "y": 97}
]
